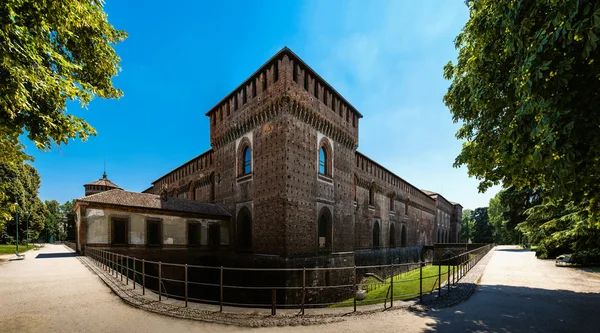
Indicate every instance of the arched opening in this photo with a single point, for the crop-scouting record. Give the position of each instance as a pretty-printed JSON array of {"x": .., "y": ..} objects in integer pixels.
[
  {"x": 246, "y": 168},
  {"x": 244, "y": 228},
  {"x": 322, "y": 161},
  {"x": 376, "y": 234},
  {"x": 371, "y": 195},
  {"x": 392, "y": 235},
  {"x": 325, "y": 158},
  {"x": 439, "y": 236},
  {"x": 324, "y": 229},
  {"x": 403, "y": 236}
]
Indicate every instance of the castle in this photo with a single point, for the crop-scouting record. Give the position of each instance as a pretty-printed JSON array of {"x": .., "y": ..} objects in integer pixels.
[{"x": 284, "y": 163}]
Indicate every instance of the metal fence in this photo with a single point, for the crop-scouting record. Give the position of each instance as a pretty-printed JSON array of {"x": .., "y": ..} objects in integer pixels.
[{"x": 288, "y": 287}]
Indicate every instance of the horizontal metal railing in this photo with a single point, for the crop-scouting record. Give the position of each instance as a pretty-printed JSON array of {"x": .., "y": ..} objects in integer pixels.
[{"x": 210, "y": 283}]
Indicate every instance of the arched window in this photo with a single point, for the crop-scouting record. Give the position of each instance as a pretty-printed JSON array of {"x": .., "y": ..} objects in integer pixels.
[
  {"x": 244, "y": 157},
  {"x": 324, "y": 229},
  {"x": 322, "y": 161},
  {"x": 371, "y": 195},
  {"x": 392, "y": 235},
  {"x": 247, "y": 166},
  {"x": 376, "y": 234},
  {"x": 325, "y": 158},
  {"x": 244, "y": 228},
  {"x": 403, "y": 237}
]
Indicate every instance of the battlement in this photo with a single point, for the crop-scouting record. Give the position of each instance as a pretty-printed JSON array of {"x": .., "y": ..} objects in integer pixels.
[
  {"x": 178, "y": 176},
  {"x": 376, "y": 170},
  {"x": 284, "y": 71}
]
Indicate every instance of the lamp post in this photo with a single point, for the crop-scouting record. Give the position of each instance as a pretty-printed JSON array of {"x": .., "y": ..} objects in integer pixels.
[{"x": 17, "y": 224}]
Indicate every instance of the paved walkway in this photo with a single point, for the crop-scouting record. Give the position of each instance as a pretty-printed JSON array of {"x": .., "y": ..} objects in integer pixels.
[
  {"x": 52, "y": 291},
  {"x": 519, "y": 293}
]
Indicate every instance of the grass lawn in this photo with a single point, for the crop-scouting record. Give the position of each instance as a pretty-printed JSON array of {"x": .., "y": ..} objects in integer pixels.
[
  {"x": 406, "y": 285},
  {"x": 533, "y": 248},
  {"x": 10, "y": 248}
]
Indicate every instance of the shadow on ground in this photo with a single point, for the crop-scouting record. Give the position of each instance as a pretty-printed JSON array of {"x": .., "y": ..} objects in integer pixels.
[
  {"x": 56, "y": 255},
  {"x": 499, "y": 308}
]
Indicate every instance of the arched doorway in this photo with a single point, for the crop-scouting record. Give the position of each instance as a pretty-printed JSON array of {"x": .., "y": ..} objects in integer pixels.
[
  {"x": 376, "y": 234},
  {"x": 403, "y": 236},
  {"x": 324, "y": 229},
  {"x": 244, "y": 228},
  {"x": 392, "y": 235}
]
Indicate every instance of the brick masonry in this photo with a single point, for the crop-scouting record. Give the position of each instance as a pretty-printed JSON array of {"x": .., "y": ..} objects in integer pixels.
[{"x": 283, "y": 112}]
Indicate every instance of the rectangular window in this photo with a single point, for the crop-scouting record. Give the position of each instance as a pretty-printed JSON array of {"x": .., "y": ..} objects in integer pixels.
[
  {"x": 193, "y": 234},
  {"x": 154, "y": 232},
  {"x": 214, "y": 234},
  {"x": 119, "y": 232}
]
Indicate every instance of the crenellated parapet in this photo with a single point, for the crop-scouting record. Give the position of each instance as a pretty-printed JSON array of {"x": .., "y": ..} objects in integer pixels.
[
  {"x": 180, "y": 177},
  {"x": 285, "y": 74}
]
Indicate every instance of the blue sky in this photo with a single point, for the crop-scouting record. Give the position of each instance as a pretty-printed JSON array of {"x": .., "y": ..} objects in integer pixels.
[{"x": 182, "y": 57}]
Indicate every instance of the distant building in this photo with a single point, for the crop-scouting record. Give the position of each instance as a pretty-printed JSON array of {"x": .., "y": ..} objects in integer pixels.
[{"x": 101, "y": 185}]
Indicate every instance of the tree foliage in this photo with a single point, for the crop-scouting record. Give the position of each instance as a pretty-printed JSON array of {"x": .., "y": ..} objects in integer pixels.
[
  {"x": 21, "y": 184},
  {"x": 52, "y": 52},
  {"x": 526, "y": 87},
  {"x": 466, "y": 228},
  {"x": 482, "y": 229},
  {"x": 508, "y": 209}
]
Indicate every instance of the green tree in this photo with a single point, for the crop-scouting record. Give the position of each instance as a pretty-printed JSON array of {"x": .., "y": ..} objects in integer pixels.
[
  {"x": 466, "y": 228},
  {"x": 70, "y": 223},
  {"x": 22, "y": 183},
  {"x": 525, "y": 87},
  {"x": 482, "y": 229},
  {"x": 52, "y": 52},
  {"x": 508, "y": 209}
]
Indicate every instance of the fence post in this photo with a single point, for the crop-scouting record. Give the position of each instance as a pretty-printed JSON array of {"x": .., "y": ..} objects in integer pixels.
[
  {"x": 303, "y": 288},
  {"x": 186, "y": 285},
  {"x": 127, "y": 271},
  {"x": 221, "y": 291},
  {"x": 134, "y": 273},
  {"x": 448, "y": 274},
  {"x": 440, "y": 278},
  {"x": 355, "y": 290},
  {"x": 273, "y": 302},
  {"x": 143, "y": 276},
  {"x": 421, "y": 281},
  {"x": 392, "y": 285},
  {"x": 159, "y": 281}
]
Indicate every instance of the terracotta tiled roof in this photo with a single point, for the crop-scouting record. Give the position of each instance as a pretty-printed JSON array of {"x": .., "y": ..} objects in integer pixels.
[
  {"x": 103, "y": 182},
  {"x": 152, "y": 201}
]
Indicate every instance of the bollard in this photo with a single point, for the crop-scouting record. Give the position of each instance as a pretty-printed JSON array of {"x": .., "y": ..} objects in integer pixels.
[
  {"x": 186, "y": 285},
  {"x": 303, "y": 288}
]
